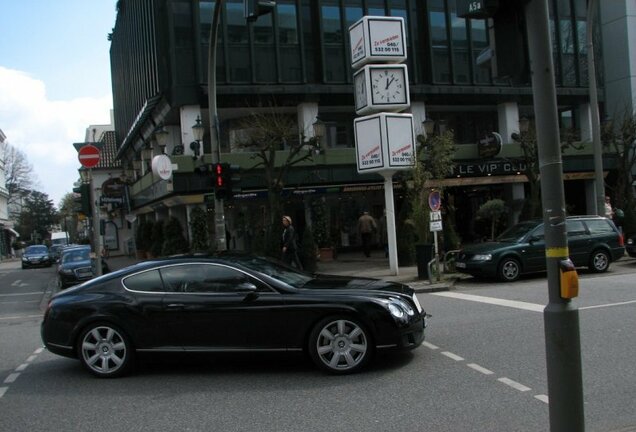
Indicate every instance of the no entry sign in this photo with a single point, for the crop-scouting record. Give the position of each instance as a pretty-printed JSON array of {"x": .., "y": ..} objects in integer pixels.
[{"x": 88, "y": 156}]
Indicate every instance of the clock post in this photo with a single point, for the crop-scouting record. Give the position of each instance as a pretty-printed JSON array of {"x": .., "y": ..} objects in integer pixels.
[{"x": 385, "y": 138}]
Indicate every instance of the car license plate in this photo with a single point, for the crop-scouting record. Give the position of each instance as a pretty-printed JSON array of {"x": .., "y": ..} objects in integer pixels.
[{"x": 460, "y": 265}]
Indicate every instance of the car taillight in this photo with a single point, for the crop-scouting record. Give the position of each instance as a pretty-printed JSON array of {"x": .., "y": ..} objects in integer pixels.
[{"x": 621, "y": 240}]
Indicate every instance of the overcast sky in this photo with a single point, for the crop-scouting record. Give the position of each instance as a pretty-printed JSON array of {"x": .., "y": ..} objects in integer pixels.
[{"x": 54, "y": 82}]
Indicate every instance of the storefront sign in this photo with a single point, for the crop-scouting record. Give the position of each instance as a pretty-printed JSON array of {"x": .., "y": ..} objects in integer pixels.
[{"x": 495, "y": 167}]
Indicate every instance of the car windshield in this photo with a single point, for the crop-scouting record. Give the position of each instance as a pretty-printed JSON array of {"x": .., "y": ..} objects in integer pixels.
[
  {"x": 37, "y": 250},
  {"x": 517, "y": 232},
  {"x": 276, "y": 270},
  {"x": 76, "y": 255}
]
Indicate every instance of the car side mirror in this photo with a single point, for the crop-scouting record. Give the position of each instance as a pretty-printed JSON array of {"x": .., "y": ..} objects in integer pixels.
[{"x": 246, "y": 287}]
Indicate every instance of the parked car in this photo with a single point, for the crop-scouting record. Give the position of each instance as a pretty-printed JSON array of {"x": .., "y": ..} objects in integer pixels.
[
  {"x": 36, "y": 256},
  {"x": 630, "y": 245},
  {"x": 593, "y": 242},
  {"x": 230, "y": 302},
  {"x": 76, "y": 266}
]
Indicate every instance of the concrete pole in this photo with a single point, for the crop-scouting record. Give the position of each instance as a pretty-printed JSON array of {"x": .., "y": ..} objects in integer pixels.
[
  {"x": 599, "y": 183},
  {"x": 561, "y": 319},
  {"x": 219, "y": 210}
]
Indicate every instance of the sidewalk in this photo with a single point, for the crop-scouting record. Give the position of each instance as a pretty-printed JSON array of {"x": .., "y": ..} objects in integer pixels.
[{"x": 353, "y": 264}]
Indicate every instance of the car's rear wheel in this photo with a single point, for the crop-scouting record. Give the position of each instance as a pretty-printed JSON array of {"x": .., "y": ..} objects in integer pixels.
[
  {"x": 509, "y": 270},
  {"x": 340, "y": 344},
  {"x": 599, "y": 261},
  {"x": 105, "y": 350}
]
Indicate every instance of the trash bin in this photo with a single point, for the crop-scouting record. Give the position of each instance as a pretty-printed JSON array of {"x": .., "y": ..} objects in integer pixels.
[{"x": 423, "y": 254}]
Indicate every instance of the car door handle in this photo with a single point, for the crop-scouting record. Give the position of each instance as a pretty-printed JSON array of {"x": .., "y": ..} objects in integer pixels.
[{"x": 175, "y": 306}]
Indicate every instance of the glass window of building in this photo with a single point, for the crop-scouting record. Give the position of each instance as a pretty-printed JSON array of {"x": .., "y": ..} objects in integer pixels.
[
  {"x": 461, "y": 48},
  {"x": 480, "y": 41},
  {"x": 580, "y": 9},
  {"x": 439, "y": 41},
  {"x": 265, "y": 60},
  {"x": 568, "y": 41},
  {"x": 333, "y": 41},
  {"x": 237, "y": 42},
  {"x": 309, "y": 29},
  {"x": 376, "y": 8},
  {"x": 289, "y": 42}
]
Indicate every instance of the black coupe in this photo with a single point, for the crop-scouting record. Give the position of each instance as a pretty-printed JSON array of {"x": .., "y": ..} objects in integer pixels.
[{"x": 230, "y": 303}]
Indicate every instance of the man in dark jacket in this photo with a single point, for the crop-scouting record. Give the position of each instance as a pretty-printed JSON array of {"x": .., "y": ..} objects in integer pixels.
[{"x": 290, "y": 244}]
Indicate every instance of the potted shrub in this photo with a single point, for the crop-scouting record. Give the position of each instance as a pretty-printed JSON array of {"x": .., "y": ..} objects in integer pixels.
[
  {"x": 199, "y": 229},
  {"x": 156, "y": 240},
  {"x": 320, "y": 230},
  {"x": 174, "y": 241}
]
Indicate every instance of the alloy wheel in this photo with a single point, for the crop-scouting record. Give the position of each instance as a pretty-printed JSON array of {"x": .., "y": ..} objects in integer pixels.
[
  {"x": 104, "y": 351},
  {"x": 340, "y": 345}
]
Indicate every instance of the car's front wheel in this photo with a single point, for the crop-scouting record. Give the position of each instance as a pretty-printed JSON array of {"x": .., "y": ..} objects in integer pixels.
[
  {"x": 340, "y": 344},
  {"x": 599, "y": 261},
  {"x": 105, "y": 350},
  {"x": 509, "y": 270}
]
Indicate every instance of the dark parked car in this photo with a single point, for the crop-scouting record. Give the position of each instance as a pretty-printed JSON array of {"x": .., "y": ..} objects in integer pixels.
[
  {"x": 630, "y": 245},
  {"x": 593, "y": 242},
  {"x": 36, "y": 256},
  {"x": 230, "y": 303},
  {"x": 76, "y": 266}
]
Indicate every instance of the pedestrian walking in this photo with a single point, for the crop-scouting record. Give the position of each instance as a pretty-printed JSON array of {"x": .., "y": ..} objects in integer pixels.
[
  {"x": 366, "y": 227},
  {"x": 290, "y": 244}
]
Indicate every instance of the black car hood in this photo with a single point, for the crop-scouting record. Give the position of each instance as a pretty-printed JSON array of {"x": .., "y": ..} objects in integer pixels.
[{"x": 331, "y": 282}]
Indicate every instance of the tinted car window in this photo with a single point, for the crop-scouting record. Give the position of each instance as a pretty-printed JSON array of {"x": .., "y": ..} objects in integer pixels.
[
  {"x": 516, "y": 232},
  {"x": 206, "y": 278},
  {"x": 76, "y": 255},
  {"x": 148, "y": 281},
  {"x": 599, "y": 226},
  {"x": 575, "y": 227},
  {"x": 37, "y": 250}
]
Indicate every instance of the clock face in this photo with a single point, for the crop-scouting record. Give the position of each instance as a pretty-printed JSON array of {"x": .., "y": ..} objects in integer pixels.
[
  {"x": 360, "y": 90},
  {"x": 388, "y": 86}
]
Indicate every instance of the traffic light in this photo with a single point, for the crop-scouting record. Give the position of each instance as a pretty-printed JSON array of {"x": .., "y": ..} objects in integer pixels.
[
  {"x": 256, "y": 8},
  {"x": 220, "y": 172},
  {"x": 82, "y": 199}
]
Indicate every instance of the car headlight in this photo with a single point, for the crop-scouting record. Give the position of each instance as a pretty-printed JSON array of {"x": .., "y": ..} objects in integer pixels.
[
  {"x": 400, "y": 309},
  {"x": 417, "y": 304},
  {"x": 396, "y": 311},
  {"x": 630, "y": 241},
  {"x": 482, "y": 257}
]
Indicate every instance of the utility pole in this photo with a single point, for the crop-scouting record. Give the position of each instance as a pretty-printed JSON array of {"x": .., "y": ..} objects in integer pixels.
[
  {"x": 561, "y": 318},
  {"x": 215, "y": 144}
]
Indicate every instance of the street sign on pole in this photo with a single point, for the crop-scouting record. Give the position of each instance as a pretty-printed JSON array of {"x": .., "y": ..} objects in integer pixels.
[{"x": 88, "y": 156}]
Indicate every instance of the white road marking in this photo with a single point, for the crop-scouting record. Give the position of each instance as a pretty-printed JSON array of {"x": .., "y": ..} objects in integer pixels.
[
  {"x": 608, "y": 305},
  {"x": 21, "y": 294},
  {"x": 514, "y": 384},
  {"x": 22, "y": 367},
  {"x": 430, "y": 345},
  {"x": 20, "y": 317},
  {"x": 542, "y": 398},
  {"x": 39, "y": 350},
  {"x": 16, "y": 282},
  {"x": 3, "y": 390},
  {"x": 452, "y": 356},
  {"x": 532, "y": 307},
  {"x": 11, "y": 378},
  {"x": 31, "y": 358},
  {"x": 480, "y": 369}
]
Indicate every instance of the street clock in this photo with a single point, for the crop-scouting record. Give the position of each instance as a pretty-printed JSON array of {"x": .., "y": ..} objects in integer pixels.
[{"x": 381, "y": 87}]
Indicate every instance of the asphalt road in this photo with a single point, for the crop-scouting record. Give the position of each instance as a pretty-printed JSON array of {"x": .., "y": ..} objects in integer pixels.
[{"x": 481, "y": 369}]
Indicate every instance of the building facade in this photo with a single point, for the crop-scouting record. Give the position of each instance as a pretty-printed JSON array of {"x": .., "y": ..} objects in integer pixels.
[{"x": 296, "y": 61}]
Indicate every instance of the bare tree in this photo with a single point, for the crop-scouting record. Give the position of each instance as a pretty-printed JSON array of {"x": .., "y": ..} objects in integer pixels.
[
  {"x": 19, "y": 178},
  {"x": 274, "y": 140}
]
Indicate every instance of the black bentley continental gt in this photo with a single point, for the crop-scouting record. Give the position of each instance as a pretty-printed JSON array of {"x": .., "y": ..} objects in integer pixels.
[{"x": 230, "y": 303}]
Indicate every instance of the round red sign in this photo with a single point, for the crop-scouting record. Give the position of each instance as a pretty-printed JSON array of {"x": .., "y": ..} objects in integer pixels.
[{"x": 88, "y": 156}]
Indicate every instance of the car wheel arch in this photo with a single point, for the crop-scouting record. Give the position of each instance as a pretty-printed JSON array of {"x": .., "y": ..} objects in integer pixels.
[{"x": 349, "y": 312}]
